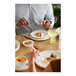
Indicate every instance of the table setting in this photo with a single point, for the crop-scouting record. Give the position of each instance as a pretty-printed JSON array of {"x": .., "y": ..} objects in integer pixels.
[{"x": 48, "y": 42}]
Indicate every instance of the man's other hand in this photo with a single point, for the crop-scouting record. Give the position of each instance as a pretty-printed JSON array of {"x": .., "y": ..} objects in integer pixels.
[
  {"x": 46, "y": 24},
  {"x": 22, "y": 21}
]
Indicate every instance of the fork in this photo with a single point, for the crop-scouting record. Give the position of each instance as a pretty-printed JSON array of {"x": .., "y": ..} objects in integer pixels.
[{"x": 37, "y": 54}]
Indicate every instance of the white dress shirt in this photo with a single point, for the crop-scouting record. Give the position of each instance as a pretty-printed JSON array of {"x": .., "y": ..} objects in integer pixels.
[{"x": 33, "y": 13}]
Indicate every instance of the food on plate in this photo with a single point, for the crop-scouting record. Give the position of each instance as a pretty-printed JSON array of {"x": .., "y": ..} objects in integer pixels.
[
  {"x": 41, "y": 23},
  {"x": 48, "y": 59},
  {"x": 40, "y": 34},
  {"x": 27, "y": 42},
  {"x": 20, "y": 59},
  {"x": 53, "y": 55}
]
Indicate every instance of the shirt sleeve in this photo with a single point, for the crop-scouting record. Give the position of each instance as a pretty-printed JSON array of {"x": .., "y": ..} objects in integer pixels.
[
  {"x": 16, "y": 27},
  {"x": 49, "y": 15}
]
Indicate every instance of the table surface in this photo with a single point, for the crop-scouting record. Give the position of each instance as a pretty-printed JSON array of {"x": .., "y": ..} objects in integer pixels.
[{"x": 44, "y": 45}]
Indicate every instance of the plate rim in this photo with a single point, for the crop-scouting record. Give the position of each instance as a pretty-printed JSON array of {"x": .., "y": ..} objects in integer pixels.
[{"x": 41, "y": 39}]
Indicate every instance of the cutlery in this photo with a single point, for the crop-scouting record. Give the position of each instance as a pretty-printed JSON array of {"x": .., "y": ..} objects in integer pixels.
[{"x": 37, "y": 54}]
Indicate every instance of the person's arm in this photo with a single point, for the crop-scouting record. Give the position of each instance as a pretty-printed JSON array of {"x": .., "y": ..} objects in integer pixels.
[
  {"x": 16, "y": 27},
  {"x": 32, "y": 67},
  {"x": 50, "y": 16}
]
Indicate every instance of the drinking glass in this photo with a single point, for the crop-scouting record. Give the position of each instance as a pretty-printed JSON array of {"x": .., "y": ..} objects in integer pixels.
[{"x": 52, "y": 33}]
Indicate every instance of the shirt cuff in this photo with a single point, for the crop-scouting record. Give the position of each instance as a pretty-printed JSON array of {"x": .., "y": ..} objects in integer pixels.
[{"x": 51, "y": 24}]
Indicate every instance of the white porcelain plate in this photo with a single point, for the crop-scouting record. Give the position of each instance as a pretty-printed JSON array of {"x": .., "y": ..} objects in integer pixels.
[
  {"x": 41, "y": 39},
  {"x": 45, "y": 54},
  {"x": 41, "y": 31}
]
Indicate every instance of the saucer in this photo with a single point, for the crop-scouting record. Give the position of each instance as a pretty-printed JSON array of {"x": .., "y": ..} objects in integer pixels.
[{"x": 22, "y": 67}]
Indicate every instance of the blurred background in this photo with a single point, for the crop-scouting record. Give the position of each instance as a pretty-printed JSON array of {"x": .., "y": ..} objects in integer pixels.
[{"x": 57, "y": 15}]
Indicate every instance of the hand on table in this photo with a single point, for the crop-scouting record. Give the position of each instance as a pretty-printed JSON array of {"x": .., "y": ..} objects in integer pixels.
[
  {"x": 22, "y": 21},
  {"x": 46, "y": 24}
]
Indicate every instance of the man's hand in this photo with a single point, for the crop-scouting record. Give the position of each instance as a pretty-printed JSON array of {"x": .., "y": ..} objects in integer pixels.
[
  {"x": 22, "y": 21},
  {"x": 46, "y": 24}
]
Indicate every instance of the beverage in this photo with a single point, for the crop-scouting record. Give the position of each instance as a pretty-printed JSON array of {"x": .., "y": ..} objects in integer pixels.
[{"x": 52, "y": 33}]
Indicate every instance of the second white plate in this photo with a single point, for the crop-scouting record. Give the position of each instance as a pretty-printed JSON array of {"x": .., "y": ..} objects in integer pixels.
[
  {"x": 45, "y": 54},
  {"x": 34, "y": 32}
]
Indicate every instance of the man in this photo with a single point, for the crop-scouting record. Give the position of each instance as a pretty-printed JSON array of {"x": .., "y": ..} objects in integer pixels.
[{"x": 28, "y": 17}]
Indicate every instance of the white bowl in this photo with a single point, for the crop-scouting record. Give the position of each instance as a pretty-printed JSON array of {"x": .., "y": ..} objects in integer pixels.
[
  {"x": 20, "y": 64},
  {"x": 28, "y": 45},
  {"x": 17, "y": 45},
  {"x": 34, "y": 32}
]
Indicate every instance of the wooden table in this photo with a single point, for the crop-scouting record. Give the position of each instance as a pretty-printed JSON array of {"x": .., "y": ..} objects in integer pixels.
[{"x": 44, "y": 45}]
